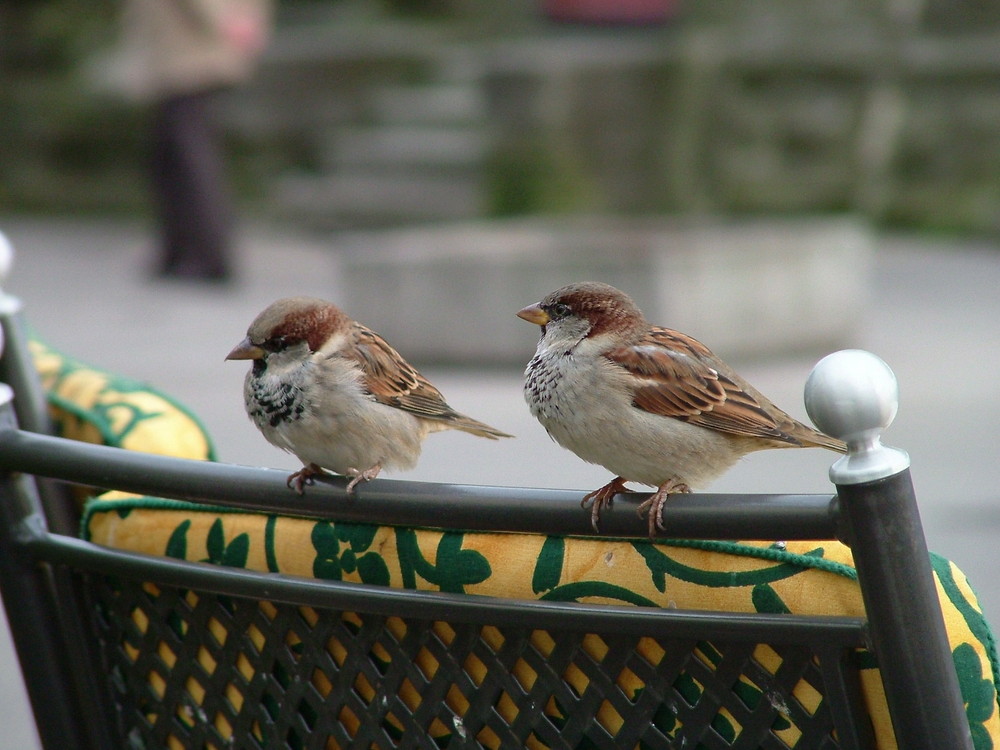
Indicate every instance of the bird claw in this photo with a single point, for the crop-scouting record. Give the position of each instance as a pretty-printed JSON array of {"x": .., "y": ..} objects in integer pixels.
[
  {"x": 602, "y": 498},
  {"x": 361, "y": 476},
  {"x": 300, "y": 479},
  {"x": 652, "y": 507}
]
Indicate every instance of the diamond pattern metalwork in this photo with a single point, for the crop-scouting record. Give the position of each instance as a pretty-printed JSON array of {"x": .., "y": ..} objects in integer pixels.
[{"x": 202, "y": 670}]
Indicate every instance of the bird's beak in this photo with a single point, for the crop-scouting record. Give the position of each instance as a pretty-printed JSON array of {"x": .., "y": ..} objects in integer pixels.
[
  {"x": 246, "y": 349},
  {"x": 534, "y": 314}
]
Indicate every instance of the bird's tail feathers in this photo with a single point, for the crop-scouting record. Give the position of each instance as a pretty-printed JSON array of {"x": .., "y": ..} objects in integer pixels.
[
  {"x": 819, "y": 440},
  {"x": 797, "y": 434},
  {"x": 475, "y": 427}
]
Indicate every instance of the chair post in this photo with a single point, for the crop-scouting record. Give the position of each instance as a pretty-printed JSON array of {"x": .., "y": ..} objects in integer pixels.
[
  {"x": 17, "y": 370},
  {"x": 35, "y": 630},
  {"x": 853, "y": 395},
  {"x": 29, "y": 398}
]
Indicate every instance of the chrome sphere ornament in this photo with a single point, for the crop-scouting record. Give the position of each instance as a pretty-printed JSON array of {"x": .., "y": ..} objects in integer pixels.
[
  {"x": 8, "y": 304},
  {"x": 6, "y": 257},
  {"x": 853, "y": 395}
]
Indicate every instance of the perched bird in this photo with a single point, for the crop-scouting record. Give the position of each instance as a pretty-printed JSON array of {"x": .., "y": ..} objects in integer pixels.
[
  {"x": 649, "y": 404},
  {"x": 334, "y": 393}
]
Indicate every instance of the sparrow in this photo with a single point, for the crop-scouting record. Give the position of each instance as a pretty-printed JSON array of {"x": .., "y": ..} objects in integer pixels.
[
  {"x": 649, "y": 404},
  {"x": 334, "y": 393}
]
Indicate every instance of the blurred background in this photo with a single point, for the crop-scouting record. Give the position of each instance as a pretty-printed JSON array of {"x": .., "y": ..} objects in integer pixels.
[
  {"x": 778, "y": 178},
  {"x": 375, "y": 112}
]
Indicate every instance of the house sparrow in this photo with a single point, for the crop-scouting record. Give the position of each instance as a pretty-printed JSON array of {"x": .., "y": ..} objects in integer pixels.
[
  {"x": 649, "y": 404},
  {"x": 334, "y": 393}
]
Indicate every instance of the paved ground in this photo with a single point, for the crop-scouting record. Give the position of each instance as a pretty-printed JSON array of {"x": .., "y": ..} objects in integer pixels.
[{"x": 934, "y": 316}]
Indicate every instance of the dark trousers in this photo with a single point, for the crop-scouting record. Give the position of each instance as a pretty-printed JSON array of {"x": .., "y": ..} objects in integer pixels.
[{"x": 190, "y": 188}]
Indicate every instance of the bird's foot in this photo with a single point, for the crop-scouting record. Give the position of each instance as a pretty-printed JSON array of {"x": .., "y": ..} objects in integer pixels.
[
  {"x": 361, "y": 476},
  {"x": 304, "y": 476},
  {"x": 603, "y": 498},
  {"x": 652, "y": 508}
]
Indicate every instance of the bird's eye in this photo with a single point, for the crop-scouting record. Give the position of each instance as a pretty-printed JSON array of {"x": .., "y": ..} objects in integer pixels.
[
  {"x": 275, "y": 344},
  {"x": 560, "y": 310}
]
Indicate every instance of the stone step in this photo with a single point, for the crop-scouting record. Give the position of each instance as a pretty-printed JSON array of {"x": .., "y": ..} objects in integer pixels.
[
  {"x": 368, "y": 199},
  {"x": 748, "y": 288},
  {"x": 399, "y": 146},
  {"x": 445, "y": 104}
]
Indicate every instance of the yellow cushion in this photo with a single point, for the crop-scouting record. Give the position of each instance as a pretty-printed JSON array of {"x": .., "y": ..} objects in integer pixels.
[
  {"x": 800, "y": 577},
  {"x": 96, "y": 407}
]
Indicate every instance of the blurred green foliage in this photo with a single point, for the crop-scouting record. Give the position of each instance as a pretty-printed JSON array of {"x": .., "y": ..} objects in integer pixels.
[
  {"x": 62, "y": 146},
  {"x": 66, "y": 145},
  {"x": 538, "y": 175}
]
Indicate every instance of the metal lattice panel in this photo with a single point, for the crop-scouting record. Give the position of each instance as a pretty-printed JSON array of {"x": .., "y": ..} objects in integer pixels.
[{"x": 205, "y": 670}]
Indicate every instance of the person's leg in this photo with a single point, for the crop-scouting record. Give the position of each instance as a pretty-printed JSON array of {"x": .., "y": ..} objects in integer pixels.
[{"x": 190, "y": 188}]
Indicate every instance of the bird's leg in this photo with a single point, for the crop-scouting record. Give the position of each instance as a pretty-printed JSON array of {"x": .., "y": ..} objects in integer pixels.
[
  {"x": 304, "y": 476},
  {"x": 603, "y": 498},
  {"x": 653, "y": 506},
  {"x": 362, "y": 476}
]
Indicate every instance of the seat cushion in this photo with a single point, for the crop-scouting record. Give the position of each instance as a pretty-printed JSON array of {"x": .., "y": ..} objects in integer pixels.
[{"x": 811, "y": 578}]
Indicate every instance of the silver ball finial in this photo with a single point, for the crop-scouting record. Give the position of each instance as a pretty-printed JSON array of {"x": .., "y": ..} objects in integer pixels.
[
  {"x": 6, "y": 257},
  {"x": 851, "y": 392},
  {"x": 8, "y": 303},
  {"x": 853, "y": 395}
]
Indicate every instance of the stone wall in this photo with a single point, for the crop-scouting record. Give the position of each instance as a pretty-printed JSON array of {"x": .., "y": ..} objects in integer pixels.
[{"x": 749, "y": 288}]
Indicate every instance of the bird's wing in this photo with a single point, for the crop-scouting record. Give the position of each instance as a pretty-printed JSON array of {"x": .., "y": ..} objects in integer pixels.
[
  {"x": 392, "y": 380},
  {"x": 677, "y": 376}
]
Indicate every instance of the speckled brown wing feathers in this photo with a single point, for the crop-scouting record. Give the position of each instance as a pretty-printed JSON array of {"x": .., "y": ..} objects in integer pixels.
[
  {"x": 393, "y": 381},
  {"x": 679, "y": 377}
]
